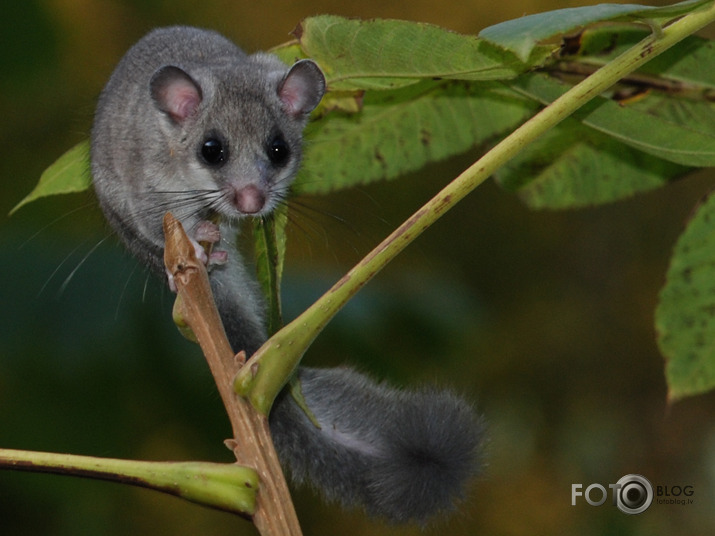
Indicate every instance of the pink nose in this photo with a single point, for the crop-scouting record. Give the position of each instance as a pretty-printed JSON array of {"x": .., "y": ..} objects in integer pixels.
[{"x": 250, "y": 199}]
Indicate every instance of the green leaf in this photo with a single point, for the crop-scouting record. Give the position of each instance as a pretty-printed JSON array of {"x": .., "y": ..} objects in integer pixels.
[
  {"x": 289, "y": 52},
  {"x": 523, "y": 34},
  {"x": 690, "y": 63},
  {"x": 685, "y": 316},
  {"x": 678, "y": 71},
  {"x": 387, "y": 54},
  {"x": 573, "y": 166},
  {"x": 69, "y": 174},
  {"x": 270, "y": 244},
  {"x": 401, "y": 130},
  {"x": 680, "y": 143},
  {"x": 558, "y": 171},
  {"x": 698, "y": 116}
]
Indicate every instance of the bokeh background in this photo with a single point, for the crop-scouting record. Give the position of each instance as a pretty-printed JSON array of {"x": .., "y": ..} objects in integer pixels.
[{"x": 543, "y": 318}]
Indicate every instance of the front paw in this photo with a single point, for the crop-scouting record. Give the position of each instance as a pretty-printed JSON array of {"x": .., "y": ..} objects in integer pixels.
[
  {"x": 207, "y": 231},
  {"x": 206, "y": 234}
]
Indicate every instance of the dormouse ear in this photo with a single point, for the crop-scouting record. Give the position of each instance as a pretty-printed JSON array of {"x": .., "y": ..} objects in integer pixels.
[
  {"x": 175, "y": 92},
  {"x": 302, "y": 88}
]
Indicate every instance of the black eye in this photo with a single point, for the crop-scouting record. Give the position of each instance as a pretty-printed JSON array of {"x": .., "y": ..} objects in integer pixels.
[
  {"x": 213, "y": 152},
  {"x": 278, "y": 150}
]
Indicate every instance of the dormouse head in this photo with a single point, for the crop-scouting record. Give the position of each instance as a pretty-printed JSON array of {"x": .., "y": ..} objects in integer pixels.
[{"x": 237, "y": 128}]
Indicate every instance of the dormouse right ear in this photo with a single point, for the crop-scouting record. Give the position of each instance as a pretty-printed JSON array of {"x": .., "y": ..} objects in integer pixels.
[
  {"x": 175, "y": 92},
  {"x": 302, "y": 88}
]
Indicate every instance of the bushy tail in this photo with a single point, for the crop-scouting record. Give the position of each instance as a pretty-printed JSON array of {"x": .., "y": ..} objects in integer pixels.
[{"x": 402, "y": 455}]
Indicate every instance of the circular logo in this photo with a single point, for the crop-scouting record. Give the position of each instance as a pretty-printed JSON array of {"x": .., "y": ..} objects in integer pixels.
[{"x": 634, "y": 494}]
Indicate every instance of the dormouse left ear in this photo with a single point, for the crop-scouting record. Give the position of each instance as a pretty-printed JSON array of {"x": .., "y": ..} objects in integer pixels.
[
  {"x": 302, "y": 88},
  {"x": 175, "y": 93}
]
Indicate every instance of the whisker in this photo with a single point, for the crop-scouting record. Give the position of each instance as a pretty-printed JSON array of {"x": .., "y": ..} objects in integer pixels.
[
  {"x": 307, "y": 223},
  {"x": 308, "y": 209},
  {"x": 54, "y": 222},
  {"x": 57, "y": 269},
  {"x": 178, "y": 203},
  {"x": 311, "y": 181},
  {"x": 123, "y": 292},
  {"x": 197, "y": 191},
  {"x": 309, "y": 212},
  {"x": 146, "y": 286},
  {"x": 184, "y": 204},
  {"x": 67, "y": 280},
  {"x": 358, "y": 240},
  {"x": 376, "y": 204}
]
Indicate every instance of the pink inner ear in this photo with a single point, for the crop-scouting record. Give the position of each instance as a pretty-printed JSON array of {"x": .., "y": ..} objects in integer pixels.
[
  {"x": 293, "y": 93},
  {"x": 181, "y": 99},
  {"x": 302, "y": 88}
]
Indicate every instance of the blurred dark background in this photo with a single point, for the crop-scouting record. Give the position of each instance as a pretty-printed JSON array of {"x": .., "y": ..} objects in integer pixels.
[{"x": 545, "y": 319}]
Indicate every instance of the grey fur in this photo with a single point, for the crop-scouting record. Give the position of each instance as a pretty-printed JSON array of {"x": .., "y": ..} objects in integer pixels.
[
  {"x": 403, "y": 456},
  {"x": 145, "y": 163}
]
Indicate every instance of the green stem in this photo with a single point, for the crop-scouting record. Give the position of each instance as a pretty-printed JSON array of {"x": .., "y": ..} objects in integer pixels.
[
  {"x": 223, "y": 486},
  {"x": 277, "y": 359}
]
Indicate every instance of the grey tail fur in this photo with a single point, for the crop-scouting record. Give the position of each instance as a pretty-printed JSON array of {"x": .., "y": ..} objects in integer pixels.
[{"x": 402, "y": 455}]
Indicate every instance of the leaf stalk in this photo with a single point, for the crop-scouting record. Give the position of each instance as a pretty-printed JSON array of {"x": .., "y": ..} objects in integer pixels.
[{"x": 228, "y": 487}]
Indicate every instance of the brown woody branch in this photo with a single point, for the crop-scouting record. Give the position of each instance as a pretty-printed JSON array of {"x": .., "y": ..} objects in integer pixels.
[{"x": 251, "y": 444}]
